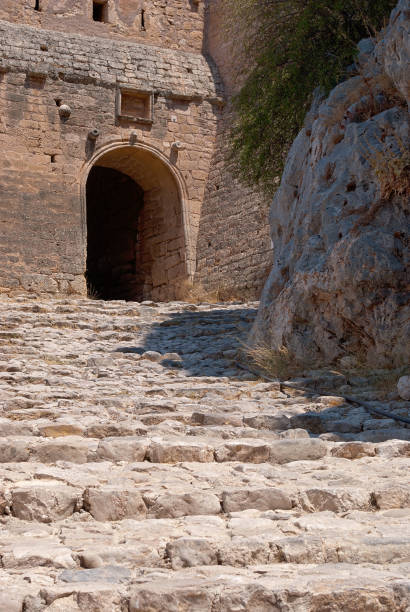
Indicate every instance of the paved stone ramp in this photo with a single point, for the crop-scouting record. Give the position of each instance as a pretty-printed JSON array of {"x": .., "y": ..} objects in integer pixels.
[{"x": 142, "y": 471}]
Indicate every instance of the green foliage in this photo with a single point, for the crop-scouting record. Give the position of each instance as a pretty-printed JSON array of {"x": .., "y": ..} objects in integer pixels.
[{"x": 292, "y": 47}]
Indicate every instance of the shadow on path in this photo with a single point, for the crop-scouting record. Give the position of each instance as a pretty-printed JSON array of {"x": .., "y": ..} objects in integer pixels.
[{"x": 206, "y": 342}]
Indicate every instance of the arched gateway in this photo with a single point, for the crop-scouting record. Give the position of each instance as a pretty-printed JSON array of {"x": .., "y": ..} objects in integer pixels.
[{"x": 138, "y": 239}]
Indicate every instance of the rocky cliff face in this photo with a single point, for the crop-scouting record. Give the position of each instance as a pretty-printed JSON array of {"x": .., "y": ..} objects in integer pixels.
[{"x": 340, "y": 220}]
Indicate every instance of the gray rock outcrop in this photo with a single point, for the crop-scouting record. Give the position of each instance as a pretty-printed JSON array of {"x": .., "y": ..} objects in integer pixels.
[
  {"x": 340, "y": 219},
  {"x": 403, "y": 387}
]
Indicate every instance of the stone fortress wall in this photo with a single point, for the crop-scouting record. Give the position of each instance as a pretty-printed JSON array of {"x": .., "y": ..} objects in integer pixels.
[
  {"x": 176, "y": 24},
  {"x": 234, "y": 246},
  {"x": 82, "y": 111}
]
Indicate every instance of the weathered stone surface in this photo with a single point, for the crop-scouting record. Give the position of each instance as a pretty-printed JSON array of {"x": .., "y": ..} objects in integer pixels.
[
  {"x": 217, "y": 418},
  {"x": 261, "y": 499},
  {"x": 338, "y": 223},
  {"x": 124, "y": 23},
  {"x": 175, "y": 598},
  {"x": 191, "y": 552},
  {"x": 93, "y": 596},
  {"x": 33, "y": 553},
  {"x": 403, "y": 387},
  {"x": 114, "y": 504},
  {"x": 45, "y": 503},
  {"x": 90, "y": 560},
  {"x": 109, "y": 574},
  {"x": 354, "y": 450},
  {"x": 283, "y": 451},
  {"x": 64, "y": 604},
  {"x": 122, "y": 449},
  {"x": 12, "y": 602},
  {"x": 173, "y": 452},
  {"x": 59, "y": 430},
  {"x": 392, "y": 497},
  {"x": 337, "y": 586},
  {"x": 188, "y": 504},
  {"x": 296, "y": 526},
  {"x": 106, "y": 95},
  {"x": 72, "y": 448},
  {"x": 3, "y": 500},
  {"x": 336, "y": 500},
  {"x": 17, "y": 452},
  {"x": 267, "y": 421},
  {"x": 255, "y": 451}
]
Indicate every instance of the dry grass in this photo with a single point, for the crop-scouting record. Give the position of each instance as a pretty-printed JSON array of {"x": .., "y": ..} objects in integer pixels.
[
  {"x": 357, "y": 369},
  {"x": 273, "y": 362},
  {"x": 383, "y": 380},
  {"x": 329, "y": 173},
  {"x": 372, "y": 84},
  {"x": 92, "y": 292},
  {"x": 196, "y": 294},
  {"x": 338, "y": 115},
  {"x": 391, "y": 166}
]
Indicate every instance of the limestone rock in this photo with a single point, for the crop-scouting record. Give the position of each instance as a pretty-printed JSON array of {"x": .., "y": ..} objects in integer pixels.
[
  {"x": 256, "y": 451},
  {"x": 175, "y": 598},
  {"x": 239, "y": 511},
  {"x": 18, "y": 451},
  {"x": 90, "y": 560},
  {"x": 64, "y": 604},
  {"x": 114, "y": 503},
  {"x": 336, "y": 500},
  {"x": 172, "y": 452},
  {"x": 354, "y": 450},
  {"x": 69, "y": 448},
  {"x": 45, "y": 503},
  {"x": 152, "y": 356},
  {"x": 262, "y": 499},
  {"x": 392, "y": 497},
  {"x": 57, "y": 430},
  {"x": 122, "y": 449},
  {"x": 284, "y": 451},
  {"x": 339, "y": 224},
  {"x": 267, "y": 421},
  {"x": 43, "y": 553},
  {"x": 109, "y": 574},
  {"x": 403, "y": 387},
  {"x": 173, "y": 506},
  {"x": 190, "y": 552}
]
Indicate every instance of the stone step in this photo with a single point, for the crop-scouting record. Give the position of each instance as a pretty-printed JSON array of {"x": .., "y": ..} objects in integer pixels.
[
  {"x": 47, "y": 500},
  {"x": 141, "y": 470},
  {"x": 316, "y": 588},
  {"x": 337, "y": 587},
  {"x": 196, "y": 552},
  {"x": 321, "y": 537},
  {"x": 55, "y": 446},
  {"x": 79, "y": 450}
]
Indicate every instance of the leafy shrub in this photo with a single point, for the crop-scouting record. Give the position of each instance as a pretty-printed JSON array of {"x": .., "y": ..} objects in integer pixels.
[{"x": 291, "y": 47}]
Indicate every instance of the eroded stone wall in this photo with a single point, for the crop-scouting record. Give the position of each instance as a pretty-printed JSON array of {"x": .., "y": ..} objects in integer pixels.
[
  {"x": 234, "y": 247},
  {"x": 73, "y": 89},
  {"x": 175, "y": 25},
  {"x": 44, "y": 153}
]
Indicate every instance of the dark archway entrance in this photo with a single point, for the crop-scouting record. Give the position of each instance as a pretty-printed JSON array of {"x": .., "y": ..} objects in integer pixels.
[
  {"x": 114, "y": 204},
  {"x": 138, "y": 237}
]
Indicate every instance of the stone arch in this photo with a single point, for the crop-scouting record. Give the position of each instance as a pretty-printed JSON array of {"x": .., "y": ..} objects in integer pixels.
[{"x": 162, "y": 253}]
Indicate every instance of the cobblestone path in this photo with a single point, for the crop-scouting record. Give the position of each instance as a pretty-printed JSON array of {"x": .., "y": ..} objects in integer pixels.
[{"x": 140, "y": 470}]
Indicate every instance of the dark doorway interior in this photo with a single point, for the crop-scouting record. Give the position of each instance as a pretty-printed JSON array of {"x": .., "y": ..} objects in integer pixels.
[{"x": 114, "y": 202}]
